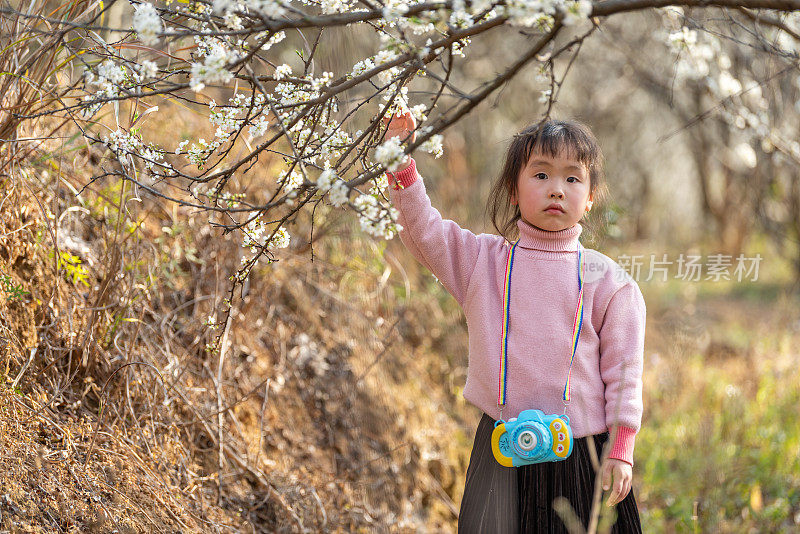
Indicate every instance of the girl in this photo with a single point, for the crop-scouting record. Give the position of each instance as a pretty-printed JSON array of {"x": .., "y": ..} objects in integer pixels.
[{"x": 552, "y": 326}]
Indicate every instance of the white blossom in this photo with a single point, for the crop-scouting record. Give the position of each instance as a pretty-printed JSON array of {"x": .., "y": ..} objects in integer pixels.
[
  {"x": 576, "y": 11},
  {"x": 124, "y": 143},
  {"x": 269, "y": 8},
  {"x": 362, "y": 66},
  {"x": 222, "y": 6},
  {"x": 531, "y": 13},
  {"x": 213, "y": 69},
  {"x": 335, "y": 143},
  {"x": 259, "y": 126},
  {"x": 385, "y": 56},
  {"x": 335, "y": 6},
  {"x": 339, "y": 193},
  {"x": 394, "y": 9},
  {"x": 542, "y": 75},
  {"x": 376, "y": 219},
  {"x": 417, "y": 26},
  {"x": 460, "y": 17},
  {"x": 291, "y": 182},
  {"x": 381, "y": 182},
  {"x": 282, "y": 71},
  {"x": 227, "y": 118},
  {"x": 281, "y": 239},
  {"x": 110, "y": 72},
  {"x": 198, "y": 152},
  {"x": 147, "y": 69},
  {"x": 746, "y": 154},
  {"x": 418, "y": 112},
  {"x": 147, "y": 23},
  {"x": 276, "y": 38},
  {"x": 728, "y": 85},
  {"x": 390, "y": 154},
  {"x": 233, "y": 21},
  {"x": 684, "y": 38},
  {"x": 673, "y": 13},
  {"x": 318, "y": 83},
  {"x": 458, "y": 46},
  {"x": 326, "y": 179},
  {"x": 231, "y": 200},
  {"x": 256, "y": 233},
  {"x": 433, "y": 145},
  {"x": 697, "y": 59}
]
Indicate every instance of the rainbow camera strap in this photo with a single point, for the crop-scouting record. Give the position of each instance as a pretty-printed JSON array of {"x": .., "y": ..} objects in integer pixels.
[{"x": 576, "y": 328}]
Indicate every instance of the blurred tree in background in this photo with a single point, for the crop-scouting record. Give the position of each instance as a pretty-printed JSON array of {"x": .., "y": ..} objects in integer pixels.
[
  {"x": 301, "y": 87},
  {"x": 263, "y": 118}
]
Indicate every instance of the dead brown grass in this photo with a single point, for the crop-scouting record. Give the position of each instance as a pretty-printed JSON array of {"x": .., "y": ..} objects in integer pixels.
[{"x": 321, "y": 414}]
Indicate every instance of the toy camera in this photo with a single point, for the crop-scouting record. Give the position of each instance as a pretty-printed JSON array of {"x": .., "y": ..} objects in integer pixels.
[{"x": 530, "y": 438}]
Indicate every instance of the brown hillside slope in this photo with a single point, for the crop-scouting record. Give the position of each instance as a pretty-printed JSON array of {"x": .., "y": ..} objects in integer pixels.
[{"x": 323, "y": 414}]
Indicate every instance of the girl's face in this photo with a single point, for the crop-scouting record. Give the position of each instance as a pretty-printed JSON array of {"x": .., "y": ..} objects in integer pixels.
[{"x": 553, "y": 193}]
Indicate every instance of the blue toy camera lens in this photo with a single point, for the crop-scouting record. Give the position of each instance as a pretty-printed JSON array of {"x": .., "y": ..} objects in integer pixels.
[
  {"x": 531, "y": 440},
  {"x": 527, "y": 440}
]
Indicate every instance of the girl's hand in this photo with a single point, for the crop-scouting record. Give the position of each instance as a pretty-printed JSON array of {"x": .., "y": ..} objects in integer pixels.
[
  {"x": 400, "y": 125},
  {"x": 623, "y": 476}
]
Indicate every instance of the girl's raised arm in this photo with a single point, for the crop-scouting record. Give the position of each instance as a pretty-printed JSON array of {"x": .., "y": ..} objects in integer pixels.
[{"x": 447, "y": 250}]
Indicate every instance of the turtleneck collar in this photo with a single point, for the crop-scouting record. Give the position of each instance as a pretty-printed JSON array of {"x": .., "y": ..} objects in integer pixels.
[{"x": 562, "y": 241}]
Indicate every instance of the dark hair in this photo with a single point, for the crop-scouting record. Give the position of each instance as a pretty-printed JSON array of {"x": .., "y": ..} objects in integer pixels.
[{"x": 553, "y": 138}]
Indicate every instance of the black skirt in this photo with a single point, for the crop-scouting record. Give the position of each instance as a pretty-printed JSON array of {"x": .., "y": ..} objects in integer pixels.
[{"x": 519, "y": 500}]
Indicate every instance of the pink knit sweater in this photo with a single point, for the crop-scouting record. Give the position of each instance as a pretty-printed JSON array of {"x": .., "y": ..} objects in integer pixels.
[{"x": 607, "y": 371}]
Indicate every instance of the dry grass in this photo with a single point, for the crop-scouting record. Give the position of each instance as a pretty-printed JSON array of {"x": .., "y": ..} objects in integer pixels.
[{"x": 310, "y": 418}]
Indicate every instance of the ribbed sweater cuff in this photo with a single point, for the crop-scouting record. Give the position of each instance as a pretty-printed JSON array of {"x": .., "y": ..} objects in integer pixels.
[
  {"x": 404, "y": 178},
  {"x": 623, "y": 446}
]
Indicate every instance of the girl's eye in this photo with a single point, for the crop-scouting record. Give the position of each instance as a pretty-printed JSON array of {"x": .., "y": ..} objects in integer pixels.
[
  {"x": 538, "y": 174},
  {"x": 571, "y": 177}
]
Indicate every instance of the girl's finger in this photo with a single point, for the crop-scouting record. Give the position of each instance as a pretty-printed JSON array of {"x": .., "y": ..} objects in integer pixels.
[
  {"x": 611, "y": 498},
  {"x": 622, "y": 493},
  {"x": 614, "y": 498},
  {"x": 618, "y": 488},
  {"x": 606, "y": 477}
]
